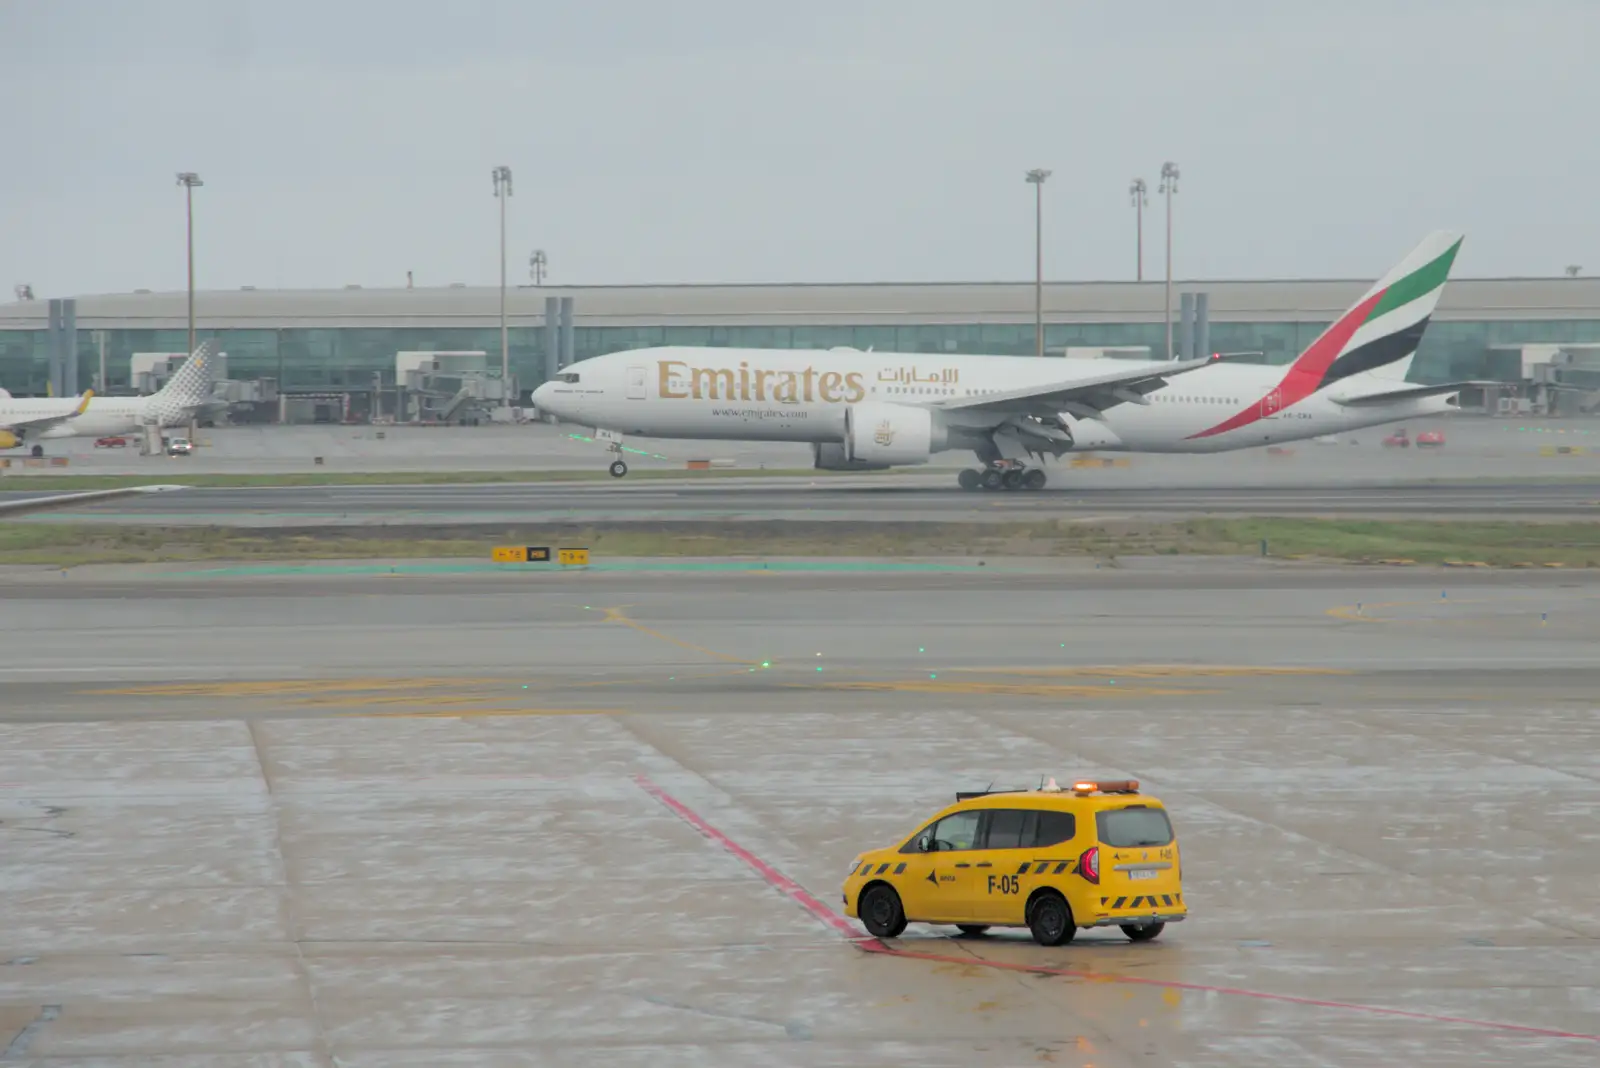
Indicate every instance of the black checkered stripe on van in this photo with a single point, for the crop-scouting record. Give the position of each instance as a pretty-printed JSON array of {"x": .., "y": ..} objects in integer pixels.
[
  {"x": 866, "y": 869},
  {"x": 1147, "y": 901},
  {"x": 1041, "y": 866}
]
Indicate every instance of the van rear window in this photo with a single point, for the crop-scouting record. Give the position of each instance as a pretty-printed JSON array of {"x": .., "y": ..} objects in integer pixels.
[{"x": 1130, "y": 828}]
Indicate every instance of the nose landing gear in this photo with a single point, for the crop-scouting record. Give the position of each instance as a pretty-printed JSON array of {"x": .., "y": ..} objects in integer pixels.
[
  {"x": 1005, "y": 474},
  {"x": 618, "y": 468}
]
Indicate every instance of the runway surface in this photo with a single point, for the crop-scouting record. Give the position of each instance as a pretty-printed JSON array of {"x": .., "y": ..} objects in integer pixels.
[
  {"x": 260, "y": 817},
  {"x": 1475, "y": 446},
  {"x": 840, "y": 499}
]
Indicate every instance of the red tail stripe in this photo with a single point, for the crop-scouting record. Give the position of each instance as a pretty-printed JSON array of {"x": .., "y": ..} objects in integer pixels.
[{"x": 1306, "y": 373}]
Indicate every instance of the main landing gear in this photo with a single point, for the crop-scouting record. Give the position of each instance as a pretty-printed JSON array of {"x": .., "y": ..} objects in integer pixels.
[{"x": 1006, "y": 474}]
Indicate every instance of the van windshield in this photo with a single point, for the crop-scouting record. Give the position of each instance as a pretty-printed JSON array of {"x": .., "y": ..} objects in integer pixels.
[{"x": 1131, "y": 828}]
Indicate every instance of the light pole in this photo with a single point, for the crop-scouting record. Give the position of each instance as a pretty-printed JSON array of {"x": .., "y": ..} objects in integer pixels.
[
  {"x": 1137, "y": 191},
  {"x": 189, "y": 179},
  {"x": 1169, "y": 186},
  {"x": 1036, "y": 179},
  {"x": 502, "y": 191}
]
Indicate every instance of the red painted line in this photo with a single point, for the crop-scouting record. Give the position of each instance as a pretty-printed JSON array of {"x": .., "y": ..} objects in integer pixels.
[
  {"x": 810, "y": 903},
  {"x": 775, "y": 878}
]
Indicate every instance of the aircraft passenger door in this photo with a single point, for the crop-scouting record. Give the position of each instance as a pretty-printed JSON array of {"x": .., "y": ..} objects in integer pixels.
[
  {"x": 1271, "y": 403},
  {"x": 636, "y": 383}
]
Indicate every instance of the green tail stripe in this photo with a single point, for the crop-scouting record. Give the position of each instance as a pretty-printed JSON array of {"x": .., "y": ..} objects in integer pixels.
[{"x": 1419, "y": 283}]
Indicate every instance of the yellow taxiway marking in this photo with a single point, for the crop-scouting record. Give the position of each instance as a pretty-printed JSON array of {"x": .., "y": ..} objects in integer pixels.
[
  {"x": 1149, "y": 671},
  {"x": 289, "y": 687},
  {"x": 484, "y": 713},
  {"x": 1357, "y": 613},
  {"x": 1008, "y": 689},
  {"x": 1353, "y": 613},
  {"x": 617, "y": 615},
  {"x": 359, "y": 700}
]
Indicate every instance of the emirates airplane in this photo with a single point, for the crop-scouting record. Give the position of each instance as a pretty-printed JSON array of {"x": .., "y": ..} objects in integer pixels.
[{"x": 866, "y": 410}]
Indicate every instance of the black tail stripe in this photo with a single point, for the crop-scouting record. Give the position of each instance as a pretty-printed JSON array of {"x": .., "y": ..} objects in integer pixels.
[{"x": 1379, "y": 352}]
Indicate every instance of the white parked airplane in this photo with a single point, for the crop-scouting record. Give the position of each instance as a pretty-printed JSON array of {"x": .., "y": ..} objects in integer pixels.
[
  {"x": 862, "y": 411},
  {"x": 37, "y": 418}
]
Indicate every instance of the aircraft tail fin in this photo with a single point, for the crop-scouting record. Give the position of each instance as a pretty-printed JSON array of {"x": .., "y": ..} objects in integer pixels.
[
  {"x": 191, "y": 384},
  {"x": 188, "y": 388},
  {"x": 1377, "y": 337}
]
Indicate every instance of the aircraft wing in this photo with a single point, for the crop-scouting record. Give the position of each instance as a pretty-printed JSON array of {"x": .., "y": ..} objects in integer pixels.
[
  {"x": 1394, "y": 396},
  {"x": 45, "y": 422},
  {"x": 1087, "y": 394}
]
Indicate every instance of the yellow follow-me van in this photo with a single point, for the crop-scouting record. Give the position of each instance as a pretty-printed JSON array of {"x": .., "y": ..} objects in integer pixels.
[{"x": 1099, "y": 854}]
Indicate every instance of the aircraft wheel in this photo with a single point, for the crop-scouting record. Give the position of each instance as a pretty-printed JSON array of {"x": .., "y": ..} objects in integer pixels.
[
  {"x": 990, "y": 479},
  {"x": 1033, "y": 480},
  {"x": 1012, "y": 479},
  {"x": 968, "y": 479},
  {"x": 618, "y": 469}
]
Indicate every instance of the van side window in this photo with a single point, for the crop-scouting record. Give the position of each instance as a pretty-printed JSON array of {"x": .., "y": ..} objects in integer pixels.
[
  {"x": 1055, "y": 828},
  {"x": 1133, "y": 827},
  {"x": 957, "y": 831},
  {"x": 1011, "y": 828}
]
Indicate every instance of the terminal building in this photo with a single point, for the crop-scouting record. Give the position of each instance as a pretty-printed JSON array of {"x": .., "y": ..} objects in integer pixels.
[{"x": 433, "y": 354}]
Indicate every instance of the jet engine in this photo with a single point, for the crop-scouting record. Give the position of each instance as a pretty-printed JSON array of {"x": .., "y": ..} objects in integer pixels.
[
  {"x": 829, "y": 456},
  {"x": 8, "y": 440},
  {"x": 878, "y": 433}
]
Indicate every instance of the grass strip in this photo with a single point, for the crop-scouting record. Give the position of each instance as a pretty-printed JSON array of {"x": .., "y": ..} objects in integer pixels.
[{"x": 1355, "y": 541}]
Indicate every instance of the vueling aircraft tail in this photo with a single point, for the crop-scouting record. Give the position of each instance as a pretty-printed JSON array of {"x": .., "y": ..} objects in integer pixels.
[{"x": 188, "y": 388}]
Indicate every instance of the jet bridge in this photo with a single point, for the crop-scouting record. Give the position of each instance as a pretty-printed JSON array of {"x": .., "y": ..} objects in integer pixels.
[{"x": 443, "y": 387}]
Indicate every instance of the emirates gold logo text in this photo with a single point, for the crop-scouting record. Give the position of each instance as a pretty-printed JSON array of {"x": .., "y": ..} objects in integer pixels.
[{"x": 679, "y": 381}]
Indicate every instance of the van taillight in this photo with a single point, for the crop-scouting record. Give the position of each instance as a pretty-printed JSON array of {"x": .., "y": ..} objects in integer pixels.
[{"x": 1089, "y": 864}]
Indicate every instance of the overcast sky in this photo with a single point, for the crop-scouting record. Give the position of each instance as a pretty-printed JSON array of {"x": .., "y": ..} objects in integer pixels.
[{"x": 348, "y": 141}]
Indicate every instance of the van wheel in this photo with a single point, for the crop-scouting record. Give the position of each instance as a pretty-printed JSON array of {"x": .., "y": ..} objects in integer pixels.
[
  {"x": 1050, "y": 919},
  {"x": 881, "y": 912},
  {"x": 1146, "y": 933},
  {"x": 972, "y": 930}
]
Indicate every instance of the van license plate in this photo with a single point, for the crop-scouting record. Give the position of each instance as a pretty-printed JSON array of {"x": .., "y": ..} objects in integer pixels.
[{"x": 1144, "y": 873}]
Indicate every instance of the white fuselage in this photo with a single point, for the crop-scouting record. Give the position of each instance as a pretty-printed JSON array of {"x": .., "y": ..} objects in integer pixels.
[
  {"x": 801, "y": 396},
  {"x": 103, "y": 416}
]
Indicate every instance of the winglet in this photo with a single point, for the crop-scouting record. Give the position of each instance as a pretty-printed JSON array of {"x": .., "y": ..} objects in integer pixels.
[{"x": 83, "y": 406}]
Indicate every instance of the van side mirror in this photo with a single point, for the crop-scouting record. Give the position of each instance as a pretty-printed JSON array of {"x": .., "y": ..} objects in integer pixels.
[{"x": 925, "y": 844}]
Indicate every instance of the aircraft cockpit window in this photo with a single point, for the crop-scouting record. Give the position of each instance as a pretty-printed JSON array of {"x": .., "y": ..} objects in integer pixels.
[{"x": 567, "y": 376}]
